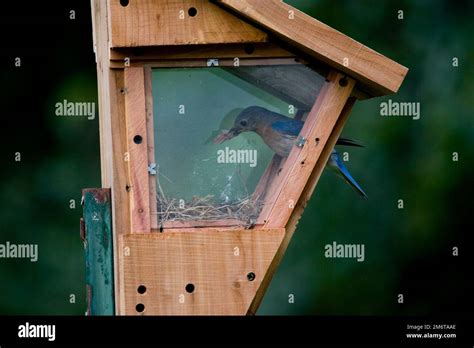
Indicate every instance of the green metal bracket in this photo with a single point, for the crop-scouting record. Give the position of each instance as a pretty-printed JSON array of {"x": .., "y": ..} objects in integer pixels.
[{"x": 96, "y": 233}]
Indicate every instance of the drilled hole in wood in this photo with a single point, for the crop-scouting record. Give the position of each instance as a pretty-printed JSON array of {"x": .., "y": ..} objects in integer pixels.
[
  {"x": 140, "y": 307},
  {"x": 137, "y": 139},
  {"x": 192, "y": 11},
  {"x": 141, "y": 289},
  {"x": 343, "y": 82},
  {"x": 127, "y": 188},
  {"x": 122, "y": 90},
  {"x": 251, "y": 276},
  {"x": 249, "y": 49},
  {"x": 124, "y": 3},
  {"x": 302, "y": 162},
  {"x": 189, "y": 288},
  {"x": 317, "y": 140}
]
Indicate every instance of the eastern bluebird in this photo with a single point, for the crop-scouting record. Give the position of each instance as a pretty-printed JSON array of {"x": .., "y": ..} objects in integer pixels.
[{"x": 280, "y": 133}]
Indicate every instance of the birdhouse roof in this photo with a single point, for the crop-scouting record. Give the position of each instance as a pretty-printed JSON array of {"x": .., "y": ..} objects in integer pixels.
[
  {"x": 178, "y": 25},
  {"x": 378, "y": 74}
]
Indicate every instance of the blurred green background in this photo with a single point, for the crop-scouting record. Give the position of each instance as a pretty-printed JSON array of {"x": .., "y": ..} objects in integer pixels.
[{"x": 408, "y": 251}]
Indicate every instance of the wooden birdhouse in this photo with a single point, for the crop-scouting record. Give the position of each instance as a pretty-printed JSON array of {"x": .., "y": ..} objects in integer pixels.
[{"x": 194, "y": 226}]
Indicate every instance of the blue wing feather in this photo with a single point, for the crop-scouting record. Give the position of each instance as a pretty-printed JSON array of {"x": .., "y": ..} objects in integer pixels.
[{"x": 288, "y": 127}]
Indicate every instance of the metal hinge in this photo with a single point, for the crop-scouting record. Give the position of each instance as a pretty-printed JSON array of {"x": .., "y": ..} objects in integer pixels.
[
  {"x": 301, "y": 141},
  {"x": 152, "y": 169},
  {"x": 213, "y": 62}
]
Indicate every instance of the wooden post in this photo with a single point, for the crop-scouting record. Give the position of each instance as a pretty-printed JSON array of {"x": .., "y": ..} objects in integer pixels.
[{"x": 96, "y": 233}]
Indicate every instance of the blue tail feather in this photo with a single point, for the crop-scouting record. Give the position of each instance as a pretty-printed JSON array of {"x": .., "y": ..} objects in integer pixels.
[{"x": 338, "y": 166}]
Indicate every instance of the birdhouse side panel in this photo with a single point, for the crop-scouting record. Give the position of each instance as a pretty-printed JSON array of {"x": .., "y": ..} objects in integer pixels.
[
  {"x": 135, "y": 110},
  {"x": 205, "y": 272}
]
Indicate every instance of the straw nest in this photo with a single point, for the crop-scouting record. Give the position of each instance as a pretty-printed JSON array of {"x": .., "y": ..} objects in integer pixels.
[{"x": 205, "y": 208}]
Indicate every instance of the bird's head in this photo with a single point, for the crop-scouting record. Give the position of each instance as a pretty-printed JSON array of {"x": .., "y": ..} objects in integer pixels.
[{"x": 246, "y": 121}]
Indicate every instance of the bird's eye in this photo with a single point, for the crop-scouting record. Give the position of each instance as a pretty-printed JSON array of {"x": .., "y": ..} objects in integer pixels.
[{"x": 243, "y": 123}]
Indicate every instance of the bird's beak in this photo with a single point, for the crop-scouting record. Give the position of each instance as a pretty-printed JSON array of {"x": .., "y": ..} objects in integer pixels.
[
  {"x": 235, "y": 131},
  {"x": 226, "y": 135}
]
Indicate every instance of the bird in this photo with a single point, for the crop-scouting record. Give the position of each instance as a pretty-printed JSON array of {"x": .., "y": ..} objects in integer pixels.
[{"x": 280, "y": 133}]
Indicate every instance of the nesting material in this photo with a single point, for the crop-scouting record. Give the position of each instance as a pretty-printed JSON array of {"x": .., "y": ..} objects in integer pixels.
[{"x": 205, "y": 208}]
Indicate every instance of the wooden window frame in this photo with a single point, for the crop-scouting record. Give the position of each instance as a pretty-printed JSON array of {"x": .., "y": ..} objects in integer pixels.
[{"x": 282, "y": 182}]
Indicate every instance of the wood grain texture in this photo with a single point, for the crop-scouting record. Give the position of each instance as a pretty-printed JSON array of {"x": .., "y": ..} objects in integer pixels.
[
  {"x": 217, "y": 263},
  {"x": 136, "y": 117},
  {"x": 301, "y": 161},
  {"x": 112, "y": 132},
  {"x": 381, "y": 74},
  {"x": 202, "y": 63},
  {"x": 167, "y": 22},
  {"x": 121, "y": 179},
  {"x": 231, "y": 51},
  {"x": 151, "y": 147},
  {"x": 303, "y": 201},
  {"x": 100, "y": 39}
]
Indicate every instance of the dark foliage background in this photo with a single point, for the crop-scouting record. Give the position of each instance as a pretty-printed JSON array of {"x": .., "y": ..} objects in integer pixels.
[{"x": 408, "y": 251}]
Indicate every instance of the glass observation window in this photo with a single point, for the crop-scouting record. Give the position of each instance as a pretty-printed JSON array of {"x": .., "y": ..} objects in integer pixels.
[{"x": 213, "y": 137}]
